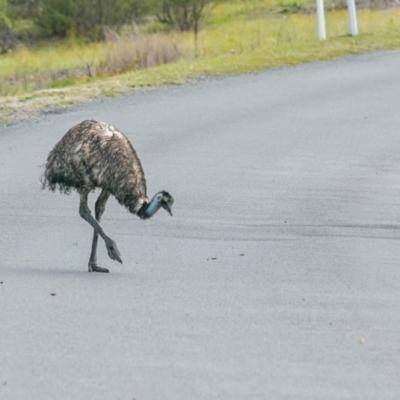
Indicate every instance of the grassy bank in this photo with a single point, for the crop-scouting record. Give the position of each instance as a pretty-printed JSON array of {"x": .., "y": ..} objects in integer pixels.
[{"x": 240, "y": 36}]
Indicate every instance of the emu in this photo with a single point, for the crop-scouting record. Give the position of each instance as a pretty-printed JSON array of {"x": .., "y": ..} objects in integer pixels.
[{"x": 94, "y": 155}]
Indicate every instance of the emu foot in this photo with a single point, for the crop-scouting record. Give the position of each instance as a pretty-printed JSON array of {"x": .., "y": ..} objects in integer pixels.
[
  {"x": 113, "y": 251},
  {"x": 96, "y": 268}
]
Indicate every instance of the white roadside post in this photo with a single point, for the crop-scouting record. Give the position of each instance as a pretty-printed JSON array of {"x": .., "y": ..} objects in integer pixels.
[
  {"x": 321, "y": 19},
  {"x": 351, "y": 6}
]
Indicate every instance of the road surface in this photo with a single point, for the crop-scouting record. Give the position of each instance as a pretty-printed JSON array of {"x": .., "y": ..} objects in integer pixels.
[{"x": 278, "y": 277}]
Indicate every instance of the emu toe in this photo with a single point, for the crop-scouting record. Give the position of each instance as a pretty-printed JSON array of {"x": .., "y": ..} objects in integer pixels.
[
  {"x": 96, "y": 268},
  {"x": 113, "y": 251}
]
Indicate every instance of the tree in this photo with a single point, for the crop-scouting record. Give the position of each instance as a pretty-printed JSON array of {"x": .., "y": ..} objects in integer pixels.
[
  {"x": 186, "y": 15},
  {"x": 25, "y": 9},
  {"x": 58, "y": 17},
  {"x": 88, "y": 17},
  {"x": 6, "y": 37},
  {"x": 5, "y": 22}
]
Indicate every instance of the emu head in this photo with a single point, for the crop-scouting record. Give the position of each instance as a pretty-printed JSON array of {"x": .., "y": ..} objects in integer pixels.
[
  {"x": 165, "y": 200},
  {"x": 161, "y": 199}
]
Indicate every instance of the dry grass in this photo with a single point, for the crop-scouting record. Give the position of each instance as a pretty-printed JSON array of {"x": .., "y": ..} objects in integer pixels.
[{"x": 138, "y": 51}]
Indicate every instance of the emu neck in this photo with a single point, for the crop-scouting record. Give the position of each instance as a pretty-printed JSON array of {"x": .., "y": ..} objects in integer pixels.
[{"x": 149, "y": 209}]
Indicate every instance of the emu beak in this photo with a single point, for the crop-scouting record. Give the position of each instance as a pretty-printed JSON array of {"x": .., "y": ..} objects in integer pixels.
[{"x": 168, "y": 208}]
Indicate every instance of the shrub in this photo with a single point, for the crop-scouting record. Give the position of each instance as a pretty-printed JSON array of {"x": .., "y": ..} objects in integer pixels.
[{"x": 88, "y": 17}]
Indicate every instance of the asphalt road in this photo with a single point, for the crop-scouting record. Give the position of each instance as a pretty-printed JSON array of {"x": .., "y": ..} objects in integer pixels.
[{"x": 278, "y": 276}]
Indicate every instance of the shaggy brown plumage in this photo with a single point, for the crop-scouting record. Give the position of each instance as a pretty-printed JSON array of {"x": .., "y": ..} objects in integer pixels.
[{"x": 97, "y": 155}]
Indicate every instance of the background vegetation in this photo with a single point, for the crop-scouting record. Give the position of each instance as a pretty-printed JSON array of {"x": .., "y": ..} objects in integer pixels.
[{"x": 106, "y": 47}]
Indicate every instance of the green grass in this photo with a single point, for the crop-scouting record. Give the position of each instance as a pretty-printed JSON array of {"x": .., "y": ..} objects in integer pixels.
[
  {"x": 50, "y": 58},
  {"x": 241, "y": 36}
]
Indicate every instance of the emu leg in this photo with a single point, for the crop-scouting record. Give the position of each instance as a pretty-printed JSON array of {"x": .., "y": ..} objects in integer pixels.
[
  {"x": 99, "y": 210},
  {"x": 85, "y": 213}
]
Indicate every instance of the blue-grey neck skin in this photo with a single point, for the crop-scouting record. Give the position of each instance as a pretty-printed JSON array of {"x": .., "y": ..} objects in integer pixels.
[
  {"x": 152, "y": 207},
  {"x": 149, "y": 209}
]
